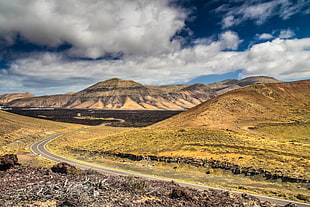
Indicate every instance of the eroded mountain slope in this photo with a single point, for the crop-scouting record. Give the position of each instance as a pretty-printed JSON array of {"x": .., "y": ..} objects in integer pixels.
[
  {"x": 275, "y": 102},
  {"x": 129, "y": 95}
]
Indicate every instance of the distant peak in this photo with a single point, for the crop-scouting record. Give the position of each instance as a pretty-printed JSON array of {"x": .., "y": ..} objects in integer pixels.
[
  {"x": 259, "y": 78},
  {"x": 113, "y": 79},
  {"x": 114, "y": 83}
]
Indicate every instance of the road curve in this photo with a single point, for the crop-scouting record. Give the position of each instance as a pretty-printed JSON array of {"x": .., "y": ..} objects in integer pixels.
[{"x": 39, "y": 148}]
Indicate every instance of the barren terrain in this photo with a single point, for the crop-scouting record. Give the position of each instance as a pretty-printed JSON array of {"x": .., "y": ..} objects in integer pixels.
[{"x": 27, "y": 186}]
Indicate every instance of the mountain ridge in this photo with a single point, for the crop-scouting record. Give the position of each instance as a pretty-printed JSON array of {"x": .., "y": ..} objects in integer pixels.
[
  {"x": 120, "y": 94},
  {"x": 6, "y": 98},
  {"x": 273, "y": 102}
]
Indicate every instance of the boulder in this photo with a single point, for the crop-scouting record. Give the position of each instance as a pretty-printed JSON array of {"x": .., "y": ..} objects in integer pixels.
[
  {"x": 64, "y": 168},
  {"x": 8, "y": 161},
  {"x": 180, "y": 193}
]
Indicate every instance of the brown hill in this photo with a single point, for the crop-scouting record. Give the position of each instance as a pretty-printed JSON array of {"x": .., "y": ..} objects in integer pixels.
[
  {"x": 6, "y": 98},
  {"x": 274, "y": 102},
  {"x": 54, "y": 101},
  {"x": 261, "y": 129},
  {"x": 129, "y": 95}
]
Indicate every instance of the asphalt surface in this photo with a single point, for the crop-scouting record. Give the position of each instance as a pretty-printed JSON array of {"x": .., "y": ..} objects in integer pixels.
[{"x": 39, "y": 148}]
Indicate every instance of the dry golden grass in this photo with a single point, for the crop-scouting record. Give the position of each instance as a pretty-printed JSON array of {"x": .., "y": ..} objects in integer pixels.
[
  {"x": 267, "y": 151},
  {"x": 250, "y": 105},
  {"x": 279, "y": 139},
  {"x": 244, "y": 150},
  {"x": 18, "y": 132},
  {"x": 260, "y": 126},
  {"x": 61, "y": 144}
]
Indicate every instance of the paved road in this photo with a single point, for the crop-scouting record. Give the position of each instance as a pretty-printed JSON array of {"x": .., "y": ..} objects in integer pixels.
[{"x": 39, "y": 148}]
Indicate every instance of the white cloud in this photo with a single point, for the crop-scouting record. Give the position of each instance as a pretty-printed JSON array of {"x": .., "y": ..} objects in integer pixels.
[
  {"x": 93, "y": 27},
  {"x": 140, "y": 30},
  {"x": 285, "y": 34},
  {"x": 11, "y": 84},
  {"x": 229, "y": 40},
  {"x": 229, "y": 21},
  {"x": 280, "y": 58},
  {"x": 260, "y": 12},
  {"x": 264, "y": 36},
  {"x": 289, "y": 8},
  {"x": 283, "y": 59}
]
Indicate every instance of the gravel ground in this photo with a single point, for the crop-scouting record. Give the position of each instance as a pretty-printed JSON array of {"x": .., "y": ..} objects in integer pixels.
[{"x": 28, "y": 186}]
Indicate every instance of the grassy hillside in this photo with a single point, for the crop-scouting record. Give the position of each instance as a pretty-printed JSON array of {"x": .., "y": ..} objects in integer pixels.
[
  {"x": 276, "y": 102},
  {"x": 18, "y": 132},
  {"x": 263, "y": 128},
  {"x": 284, "y": 156},
  {"x": 291, "y": 157}
]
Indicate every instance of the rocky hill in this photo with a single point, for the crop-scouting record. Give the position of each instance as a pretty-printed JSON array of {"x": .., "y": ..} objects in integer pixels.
[
  {"x": 273, "y": 102},
  {"x": 6, "y": 98},
  {"x": 129, "y": 95}
]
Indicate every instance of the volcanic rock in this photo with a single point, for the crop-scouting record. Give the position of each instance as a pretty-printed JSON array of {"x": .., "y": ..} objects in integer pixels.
[
  {"x": 64, "y": 168},
  {"x": 8, "y": 161}
]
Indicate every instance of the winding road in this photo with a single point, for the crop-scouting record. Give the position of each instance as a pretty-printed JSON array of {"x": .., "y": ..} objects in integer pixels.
[{"x": 39, "y": 148}]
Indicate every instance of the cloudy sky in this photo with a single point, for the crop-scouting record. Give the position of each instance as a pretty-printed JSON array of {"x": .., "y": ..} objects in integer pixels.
[{"x": 51, "y": 46}]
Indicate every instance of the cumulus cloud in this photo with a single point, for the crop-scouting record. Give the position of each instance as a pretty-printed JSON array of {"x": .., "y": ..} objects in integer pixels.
[
  {"x": 280, "y": 58},
  {"x": 229, "y": 40},
  {"x": 93, "y": 28},
  {"x": 285, "y": 34},
  {"x": 142, "y": 33},
  {"x": 260, "y": 12},
  {"x": 264, "y": 36},
  {"x": 284, "y": 59}
]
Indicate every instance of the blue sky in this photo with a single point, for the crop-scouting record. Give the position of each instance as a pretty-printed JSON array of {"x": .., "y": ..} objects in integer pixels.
[{"x": 50, "y": 47}]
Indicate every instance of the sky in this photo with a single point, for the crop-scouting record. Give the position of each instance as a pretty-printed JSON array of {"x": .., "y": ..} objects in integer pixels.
[{"x": 51, "y": 46}]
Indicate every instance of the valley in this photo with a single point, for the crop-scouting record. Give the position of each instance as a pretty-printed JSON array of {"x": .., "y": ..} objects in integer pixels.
[
  {"x": 160, "y": 103},
  {"x": 252, "y": 139},
  {"x": 133, "y": 118},
  {"x": 245, "y": 132}
]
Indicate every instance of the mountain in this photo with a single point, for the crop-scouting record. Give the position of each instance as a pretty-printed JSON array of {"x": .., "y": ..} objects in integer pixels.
[
  {"x": 124, "y": 94},
  {"x": 259, "y": 129},
  {"x": 54, "y": 101},
  {"x": 129, "y": 95},
  {"x": 6, "y": 98},
  {"x": 272, "y": 102}
]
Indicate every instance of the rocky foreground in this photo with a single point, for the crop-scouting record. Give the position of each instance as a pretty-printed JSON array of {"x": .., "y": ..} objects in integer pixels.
[{"x": 64, "y": 185}]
